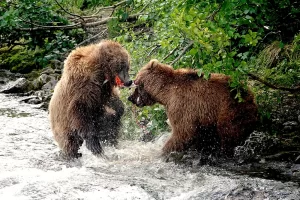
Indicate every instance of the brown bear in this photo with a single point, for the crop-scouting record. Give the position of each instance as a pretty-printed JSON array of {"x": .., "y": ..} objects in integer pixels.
[
  {"x": 198, "y": 109},
  {"x": 85, "y": 105}
]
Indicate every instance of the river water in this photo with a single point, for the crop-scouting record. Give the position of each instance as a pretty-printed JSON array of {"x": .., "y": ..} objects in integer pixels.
[{"x": 32, "y": 168}]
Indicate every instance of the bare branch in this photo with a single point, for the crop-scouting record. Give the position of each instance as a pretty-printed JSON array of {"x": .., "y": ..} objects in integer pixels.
[
  {"x": 171, "y": 52},
  {"x": 41, "y": 27},
  {"x": 214, "y": 13},
  {"x": 142, "y": 10},
  {"x": 97, "y": 23},
  {"x": 91, "y": 38},
  {"x": 69, "y": 12},
  {"x": 38, "y": 25},
  {"x": 153, "y": 49},
  {"x": 182, "y": 53},
  {"x": 109, "y": 7},
  {"x": 104, "y": 21},
  {"x": 270, "y": 85},
  {"x": 21, "y": 43},
  {"x": 75, "y": 26}
]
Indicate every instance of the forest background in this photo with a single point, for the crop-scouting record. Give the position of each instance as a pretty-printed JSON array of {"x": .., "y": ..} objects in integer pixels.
[{"x": 256, "y": 42}]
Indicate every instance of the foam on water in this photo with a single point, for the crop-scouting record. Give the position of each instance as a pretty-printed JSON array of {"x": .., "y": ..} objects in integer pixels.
[{"x": 31, "y": 168}]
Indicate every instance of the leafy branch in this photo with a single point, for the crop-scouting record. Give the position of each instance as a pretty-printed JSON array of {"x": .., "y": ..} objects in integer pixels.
[
  {"x": 186, "y": 48},
  {"x": 270, "y": 85},
  {"x": 171, "y": 52}
]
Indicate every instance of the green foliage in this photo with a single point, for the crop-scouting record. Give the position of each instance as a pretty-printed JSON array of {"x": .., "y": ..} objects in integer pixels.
[
  {"x": 26, "y": 14},
  {"x": 279, "y": 63},
  {"x": 19, "y": 59},
  {"x": 226, "y": 36},
  {"x": 266, "y": 101},
  {"x": 156, "y": 118},
  {"x": 17, "y": 22},
  {"x": 88, "y": 4},
  {"x": 233, "y": 37},
  {"x": 113, "y": 28},
  {"x": 152, "y": 119},
  {"x": 56, "y": 47}
]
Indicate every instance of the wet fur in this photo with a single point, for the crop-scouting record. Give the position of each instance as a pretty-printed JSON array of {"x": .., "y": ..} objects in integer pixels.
[
  {"x": 78, "y": 107},
  {"x": 203, "y": 113}
]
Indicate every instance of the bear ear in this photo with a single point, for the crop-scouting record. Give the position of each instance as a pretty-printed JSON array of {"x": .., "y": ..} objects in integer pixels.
[{"x": 153, "y": 63}]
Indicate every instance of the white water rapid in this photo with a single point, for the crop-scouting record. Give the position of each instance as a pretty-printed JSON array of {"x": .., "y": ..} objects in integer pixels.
[{"x": 31, "y": 168}]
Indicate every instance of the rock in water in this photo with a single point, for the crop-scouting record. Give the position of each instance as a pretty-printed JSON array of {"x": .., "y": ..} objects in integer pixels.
[{"x": 18, "y": 86}]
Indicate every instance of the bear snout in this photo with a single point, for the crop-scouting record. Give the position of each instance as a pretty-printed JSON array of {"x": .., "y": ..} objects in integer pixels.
[
  {"x": 128, "y": 83},
  {"x": 135, "y": 100}
]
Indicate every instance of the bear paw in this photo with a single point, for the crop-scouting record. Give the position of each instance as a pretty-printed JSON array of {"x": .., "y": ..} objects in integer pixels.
[
  {"x": 69, "y": 156},
  {"x": 93, "y": 144}
]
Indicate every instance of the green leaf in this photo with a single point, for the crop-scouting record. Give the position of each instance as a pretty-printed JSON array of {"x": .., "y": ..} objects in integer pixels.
[
  {"x": 193, "y": 51},
  {"x": 199, "y": 72},
  {"x": 281, "y": 45}
]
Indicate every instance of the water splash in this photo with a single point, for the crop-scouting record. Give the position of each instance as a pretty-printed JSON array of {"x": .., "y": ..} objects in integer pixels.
[{"x": 31, "y": 168}]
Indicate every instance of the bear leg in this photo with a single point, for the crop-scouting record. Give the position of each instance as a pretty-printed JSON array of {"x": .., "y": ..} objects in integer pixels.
[
  {"x": 176, "y": 143},
  {"x": 172, "y": 144},
  {"x": 71, "y": 146},
  {"x": 111, "y": 121},
  {"x": 180, "y": 137},
  {"x": 117, "y": 105},
  {"x": 110, "y": 136},
  {"x": 230, "y": 136},
  {"x": 93, "y": 144},
  {"x": 110, "y": 130}
]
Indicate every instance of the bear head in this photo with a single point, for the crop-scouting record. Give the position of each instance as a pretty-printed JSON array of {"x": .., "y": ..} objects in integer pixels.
[
  {"x": 153, "y": 68},
  {"x": 140, "y": 97},
  {"x": 115, "y": 60}
]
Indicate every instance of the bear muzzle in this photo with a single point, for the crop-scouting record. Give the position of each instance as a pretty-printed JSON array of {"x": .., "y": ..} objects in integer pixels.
[{"x": 128, "y": 83}]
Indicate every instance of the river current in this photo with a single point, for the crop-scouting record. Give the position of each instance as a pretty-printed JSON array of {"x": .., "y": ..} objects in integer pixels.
[{"x": 32, "y": 168}]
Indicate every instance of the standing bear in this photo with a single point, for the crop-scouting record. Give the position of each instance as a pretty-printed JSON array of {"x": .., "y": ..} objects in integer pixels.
[
  {"x": 85, "y": 105},
  {"x": 199, "y": 110}
]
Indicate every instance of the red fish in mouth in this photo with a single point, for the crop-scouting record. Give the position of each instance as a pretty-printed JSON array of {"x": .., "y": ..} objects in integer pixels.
[{"x": 118, "y": 81}]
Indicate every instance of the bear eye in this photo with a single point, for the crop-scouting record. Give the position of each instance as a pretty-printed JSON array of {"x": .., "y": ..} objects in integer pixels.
[{"x": 141, "y": 86}]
